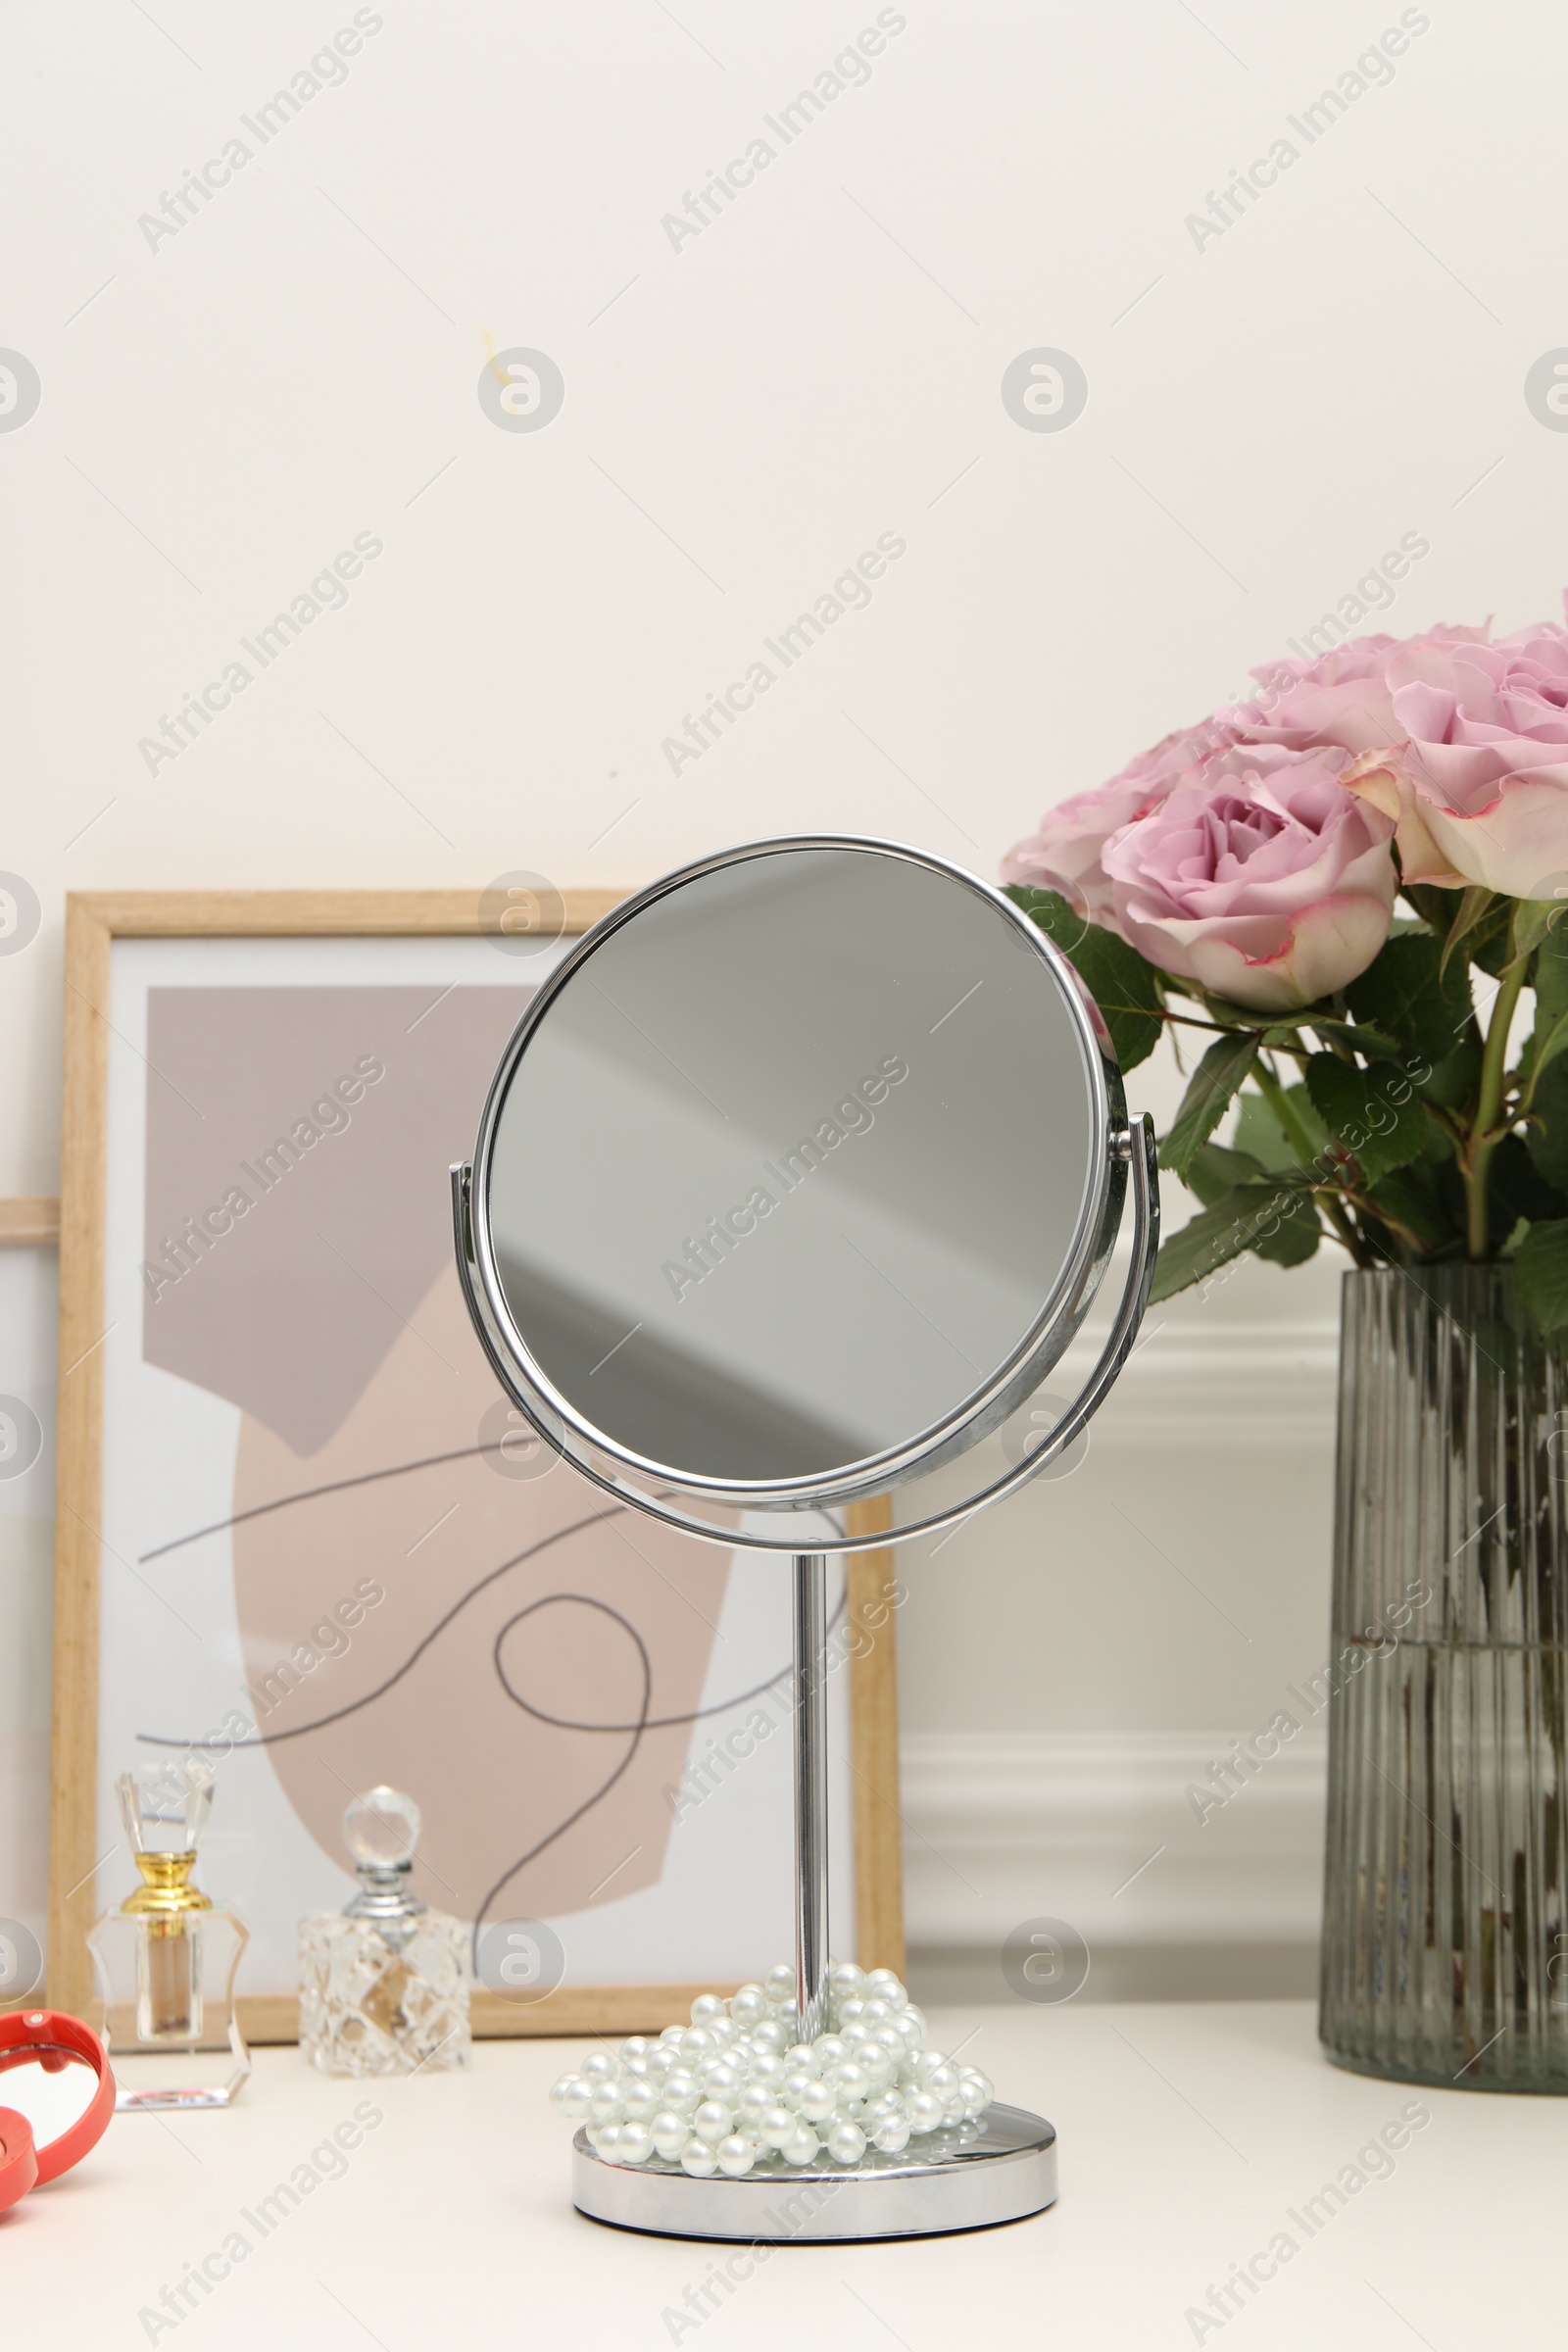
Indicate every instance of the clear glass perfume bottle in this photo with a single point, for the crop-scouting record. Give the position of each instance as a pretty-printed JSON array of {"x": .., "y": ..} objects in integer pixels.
[
  {"x": 166, "y": 1959},
  {"x": 384, "y": 1982}
]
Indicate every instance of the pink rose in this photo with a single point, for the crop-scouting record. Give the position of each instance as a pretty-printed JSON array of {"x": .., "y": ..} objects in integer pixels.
[
  {"x": 1478, "y": 789},
  {"x": 1063, "y": 853},
  {"x": 1343, "y": 697},
  {"x": 1261, "y": 878}
]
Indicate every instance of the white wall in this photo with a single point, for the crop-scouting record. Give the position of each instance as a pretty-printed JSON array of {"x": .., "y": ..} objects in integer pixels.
[{"x": 222, "y": 411}]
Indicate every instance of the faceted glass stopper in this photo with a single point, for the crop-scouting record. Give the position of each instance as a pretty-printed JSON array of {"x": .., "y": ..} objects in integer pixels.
[
  {"x": 165, "y": 1806},
  {"x": 382, "y": 1829}
]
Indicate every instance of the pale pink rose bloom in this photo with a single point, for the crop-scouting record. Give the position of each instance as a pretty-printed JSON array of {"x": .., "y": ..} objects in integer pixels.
[
  {"x": 1343, "y": 697},
  {"x": 1479, "y": 788},
  {"x": 1262, "y": 879},
  {"x": 1062, "y": 854}
]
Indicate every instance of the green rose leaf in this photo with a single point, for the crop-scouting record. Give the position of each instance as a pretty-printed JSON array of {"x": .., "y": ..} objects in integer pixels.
[
  {"x": 1373, "y": 1113},
  {"x": 1268, "y": 1218},
  {"x": 1208, "y": 1093},
  {"x": 1214, "y": 1171},
  {"x": 1474, "y": 921},
  {"x": 1456, "y": 1080},
  {"x": 1405, "y": 993},
  {"x": 1540, "y": 1271},
  {"x": 1550, "y": 1033},
  {"x": 1546, "y": 1136},
  {"x": 1125, "y": 987},
  {"x": 1295, "y": 1238},
  {"x": 1361, "y": 1036},
  {"x": 1411, "y": 1205},
  {"x": 1259, "y": 1132}
]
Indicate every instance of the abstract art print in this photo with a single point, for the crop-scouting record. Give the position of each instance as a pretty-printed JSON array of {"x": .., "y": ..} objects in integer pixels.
[{"x": 306, "y": 1538}]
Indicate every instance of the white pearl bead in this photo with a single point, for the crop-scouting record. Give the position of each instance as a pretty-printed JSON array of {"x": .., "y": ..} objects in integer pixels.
[
  {"x": 637, "y": 2045},
  {"x": 635, "y": 2144},
  {"x": 845, "y": 1981},
  {"x": 766, "y": 2067},
  {"x": 671, "y": 2132},
  {"x": 884, "y": 1986},
  {"x": 942, "y": 2079},
  {"x": 983, "y": 2088},
  {"x": 916, "y": 2018},
  {"x": 769, "y": 2036},
  {"x": 720, "y": 2074},
  {"x": 604, "y": 2104},
  {"x": 697, "y": 2041},
  {"x": 750, "y": 2006},
  {"x": 706, "y": 2008},
  {"x": 714, "y": 2121},
  {"x": 827, "y": 2050},
  {"x": 888, "y": 2037},
  {"x": 779, "y": 1984},
  {"x": 893, "y": 2134},
  {"x": 736, "y": 2156},
  {"x": 850, "y": 2081},
  {"x": 753, "y": 2102},
  {"x": 926, "y": 2111},
  {"x": 845, "y": 2143},
  {"x": 791, "y": 2090},
  {"x": 570, "y": 2096},
  {"x": 598, "y": 2067},
  {"x": 874, "y": 2012},
  {"x": 803, "y": 2147},
  {"x": 849, "y": 2011},
  {"x": 642, "y": 2104},
  {"x": 661, "y": 2060},
  {"x": 698, "y": 2159},
  {"x": 777, "y": 2127},
  {"x": 815, "y": 2103},
  {"x": 604, "y": 2140},
  {"x": 798, "y": 2055}
]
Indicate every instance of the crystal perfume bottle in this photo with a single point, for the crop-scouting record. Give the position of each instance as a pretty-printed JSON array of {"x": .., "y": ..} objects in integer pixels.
[
  {"x": 384, "y": 1982},
  {"x": 166, "y": 1959}
]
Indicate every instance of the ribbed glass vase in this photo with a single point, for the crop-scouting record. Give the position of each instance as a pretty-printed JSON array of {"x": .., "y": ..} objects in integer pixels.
[{"x": 1445, "y": 1927}]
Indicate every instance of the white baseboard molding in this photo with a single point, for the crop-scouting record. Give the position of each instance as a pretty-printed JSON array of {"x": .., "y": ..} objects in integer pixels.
[
  {"x": 1196, "y": 1374},
  {"x": 1099, "y": 1829}
]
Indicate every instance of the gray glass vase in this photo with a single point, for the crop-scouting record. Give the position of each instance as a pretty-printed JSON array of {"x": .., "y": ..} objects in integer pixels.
[{"x": 1446, "y": 1926}]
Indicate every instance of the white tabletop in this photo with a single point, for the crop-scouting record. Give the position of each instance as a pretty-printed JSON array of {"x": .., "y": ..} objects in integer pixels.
[{"x": 1192, "y": 2136}]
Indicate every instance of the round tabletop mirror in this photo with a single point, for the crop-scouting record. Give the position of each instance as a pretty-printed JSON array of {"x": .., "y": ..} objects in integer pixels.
[{"x": 798, "y": 1175}]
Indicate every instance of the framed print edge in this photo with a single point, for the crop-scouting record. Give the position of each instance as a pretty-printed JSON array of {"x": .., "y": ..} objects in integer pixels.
[
  {"x": 93, "y": 920},
  {"x": 79, "y": 1483}
]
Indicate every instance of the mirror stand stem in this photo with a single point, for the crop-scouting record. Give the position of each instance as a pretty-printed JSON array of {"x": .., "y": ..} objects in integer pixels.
[{"x": 810, "y": 1791}]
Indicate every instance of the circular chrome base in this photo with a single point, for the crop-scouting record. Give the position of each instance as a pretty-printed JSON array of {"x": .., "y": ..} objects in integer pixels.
[{"x": 973, "y": 2176}]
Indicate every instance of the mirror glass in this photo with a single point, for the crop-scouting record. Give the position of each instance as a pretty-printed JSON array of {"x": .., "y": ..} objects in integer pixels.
[
  {"x": 52, "y": 2097},
  {"x": 793, "y": 1163}
]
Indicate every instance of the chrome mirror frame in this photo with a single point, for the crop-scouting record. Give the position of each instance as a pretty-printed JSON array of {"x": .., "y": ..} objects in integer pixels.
[{"x": 1126, "y": 1151}]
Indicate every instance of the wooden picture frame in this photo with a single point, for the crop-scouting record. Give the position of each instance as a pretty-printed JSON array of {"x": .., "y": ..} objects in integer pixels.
[
  {"x": 94, "y": 921},
  {"x": 29, "y": 1228}
]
